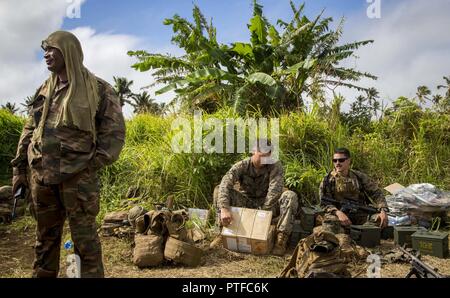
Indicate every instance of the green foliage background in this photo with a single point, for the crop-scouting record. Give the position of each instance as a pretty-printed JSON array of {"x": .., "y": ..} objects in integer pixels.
[
  {"x": 406, "y": 146},
  {"x": 307, "y": 140},
  {"x": 10, "y": 130},
  {"x": 270, "y": 75}
]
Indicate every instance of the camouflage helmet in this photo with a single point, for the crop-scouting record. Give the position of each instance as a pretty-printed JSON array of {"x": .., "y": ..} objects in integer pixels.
[{"x": 134, "y": 213}]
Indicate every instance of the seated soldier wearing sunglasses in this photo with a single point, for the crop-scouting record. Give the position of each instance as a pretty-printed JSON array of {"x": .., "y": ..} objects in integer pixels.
[{"x": 345, "y": 184}]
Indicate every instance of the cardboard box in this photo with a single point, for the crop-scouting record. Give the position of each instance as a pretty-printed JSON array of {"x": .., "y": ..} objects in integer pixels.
[
  {"x": 394, "y": 188},
  {"x": 250, "y": 231}
]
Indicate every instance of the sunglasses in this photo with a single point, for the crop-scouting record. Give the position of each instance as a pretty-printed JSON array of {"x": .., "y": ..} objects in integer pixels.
[{"x": 341, "y": 160}]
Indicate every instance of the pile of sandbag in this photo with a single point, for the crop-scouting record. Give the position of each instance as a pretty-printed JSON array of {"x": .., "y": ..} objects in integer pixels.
[
  {"x": 323, "y": 254},
  {"x": 7, "y": 204},
  {"x": 162, "y": 235},
  {"x": 116, "y": 224}
]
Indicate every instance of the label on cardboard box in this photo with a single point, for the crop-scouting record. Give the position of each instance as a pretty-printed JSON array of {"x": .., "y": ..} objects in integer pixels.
[
  {"x": 231, "y": 243},
  {"x": 260, "y": 226},
  {"x": 244, "y": 245}
]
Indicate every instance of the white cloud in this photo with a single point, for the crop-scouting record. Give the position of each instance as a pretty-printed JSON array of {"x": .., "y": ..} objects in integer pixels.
[
  {"x": 23, "y": 25},
  {"x": 105, "y": 55},
  {"x": 412, "y": 42},
  {"x": 22, "y": 68}
]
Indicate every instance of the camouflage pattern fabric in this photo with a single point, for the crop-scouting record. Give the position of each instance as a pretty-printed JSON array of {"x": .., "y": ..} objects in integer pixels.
[
  {"x": 65, "y": 151},
  {"x": 77, "y": 200},
  {"x": 357, "y": 187},
  {"x": 264, "y": 184},
  {"x": 318, "y": 253},
  {"x": 64, "y": 182},
  {"x": 245, "y": 186}
]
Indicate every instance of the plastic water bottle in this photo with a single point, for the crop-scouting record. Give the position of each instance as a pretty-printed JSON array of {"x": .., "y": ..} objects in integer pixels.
[
  {"x": 68, "y": 245},
  {"x": 73, "y": 262},
  {"x": 399, "y": 220}
]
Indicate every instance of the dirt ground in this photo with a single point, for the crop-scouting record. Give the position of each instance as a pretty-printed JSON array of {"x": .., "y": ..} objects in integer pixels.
[{"x": 16, "y": 253}]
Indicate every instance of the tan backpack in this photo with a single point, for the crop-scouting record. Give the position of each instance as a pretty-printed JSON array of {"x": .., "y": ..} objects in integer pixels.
[{"x": 318, "y": 253}]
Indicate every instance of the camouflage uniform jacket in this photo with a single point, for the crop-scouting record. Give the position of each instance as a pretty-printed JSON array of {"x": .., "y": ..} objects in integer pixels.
[
  {"x": 357, "y": 186},
  {"x": 265, "y": 184},
  {"x": 65, "y": 151}
]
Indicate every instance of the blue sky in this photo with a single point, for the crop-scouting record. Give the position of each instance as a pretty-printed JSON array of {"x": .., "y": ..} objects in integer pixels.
[
  {"x": 412, "y": 40},
  {"x": 145, "y": 18}
]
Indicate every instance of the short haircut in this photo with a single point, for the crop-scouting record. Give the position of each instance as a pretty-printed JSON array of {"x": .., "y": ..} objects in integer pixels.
[
  {"x": 262, "y": 145},
  {"x": 342, "y": 151}
]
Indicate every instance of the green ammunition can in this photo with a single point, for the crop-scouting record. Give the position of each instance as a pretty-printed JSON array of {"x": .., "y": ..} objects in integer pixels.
[
  {"x": 308, "y": 217},
  {"x": 402, "y": 235},
  {"x": 365, "y": 235},
  {"x": 431, "y": 243},
  {"x": 387, "y": 233}
]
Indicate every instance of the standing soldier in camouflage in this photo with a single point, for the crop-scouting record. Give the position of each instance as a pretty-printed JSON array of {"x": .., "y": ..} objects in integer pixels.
[
  {"x": 260, "y": 186},
  {"x": 75, "y": 128},
  {"x": 344, "y": 183}
]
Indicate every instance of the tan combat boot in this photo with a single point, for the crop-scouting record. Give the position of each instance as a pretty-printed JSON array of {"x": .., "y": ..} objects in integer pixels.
[
  {"x": 216, "y": 243},
  {"x": 280, "y": 244}
]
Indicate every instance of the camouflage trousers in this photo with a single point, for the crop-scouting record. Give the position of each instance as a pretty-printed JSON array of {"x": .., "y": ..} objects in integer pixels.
[
  {"x": 77, "y": 200},
  {"x": 284, "y": 212}
]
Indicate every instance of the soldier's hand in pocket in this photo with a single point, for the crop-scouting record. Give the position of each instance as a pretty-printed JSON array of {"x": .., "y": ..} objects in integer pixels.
[{"x": 18, "y": 181}]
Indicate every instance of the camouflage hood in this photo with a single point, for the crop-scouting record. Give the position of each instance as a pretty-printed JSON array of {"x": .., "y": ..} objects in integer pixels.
[{"x": 81, "y": 100}]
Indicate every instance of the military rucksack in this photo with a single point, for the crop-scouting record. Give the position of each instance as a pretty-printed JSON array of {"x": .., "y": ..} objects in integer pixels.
[{"x": 318, "y": 253}]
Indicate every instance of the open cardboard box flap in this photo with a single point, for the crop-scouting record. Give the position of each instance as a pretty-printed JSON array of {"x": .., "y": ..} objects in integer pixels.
[{"x": 394, "y": 188}]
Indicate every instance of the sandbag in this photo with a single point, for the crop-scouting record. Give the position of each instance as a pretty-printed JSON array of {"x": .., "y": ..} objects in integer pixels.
[
  {"x": 116, "y": 224},
  {"x": 148, "y": 250},
  {"x": 182, "y": 252},
  {"x": 116, "y": 217}
]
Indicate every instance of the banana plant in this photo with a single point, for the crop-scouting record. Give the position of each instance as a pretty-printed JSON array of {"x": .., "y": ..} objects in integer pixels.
[{"x": 275, "y": 70}]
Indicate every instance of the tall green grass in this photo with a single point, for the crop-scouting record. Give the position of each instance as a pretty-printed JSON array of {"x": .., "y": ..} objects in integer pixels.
[
  {"x": 405, "y": 146},
  {"x": 10, "y": 130},
  {"x": 390, "y": 153}
]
